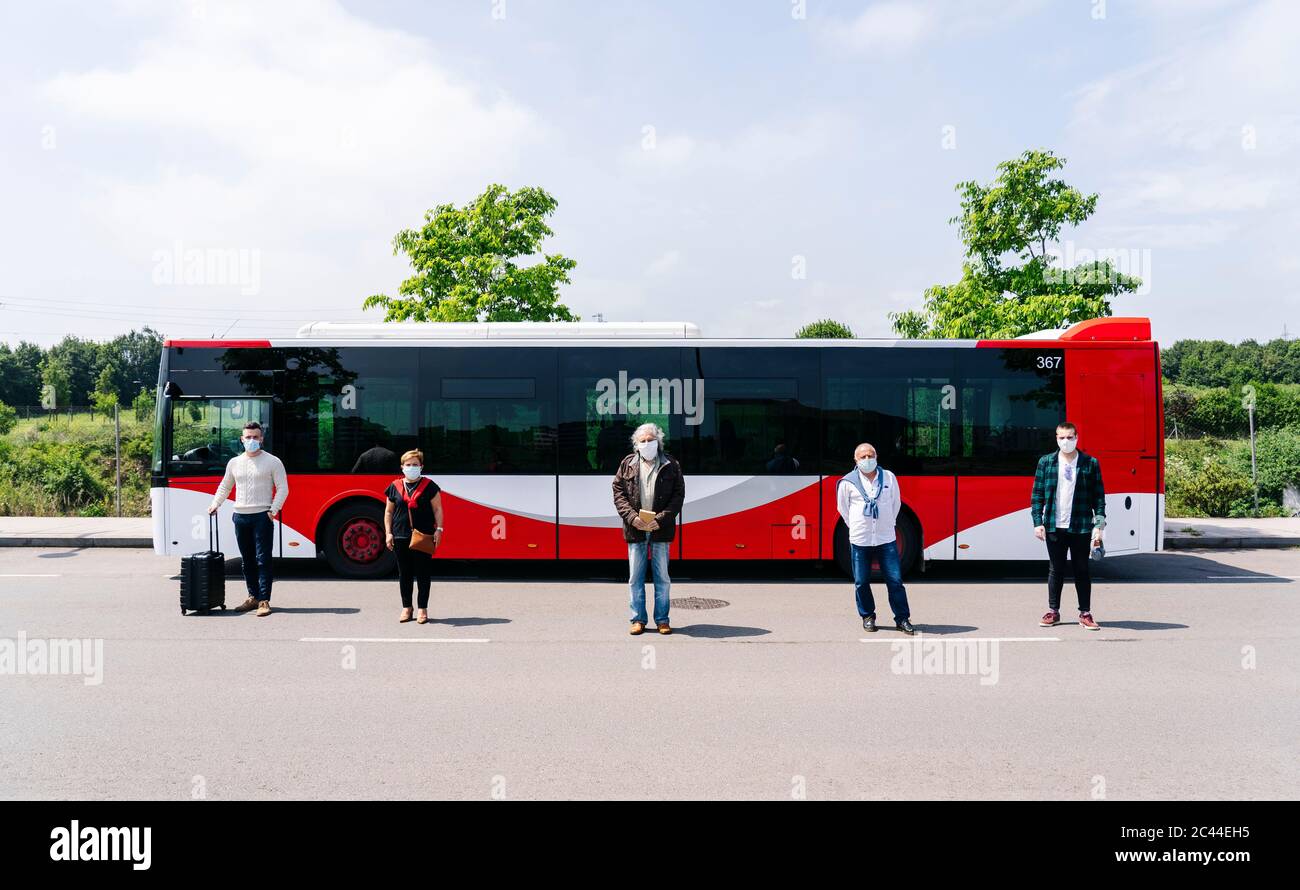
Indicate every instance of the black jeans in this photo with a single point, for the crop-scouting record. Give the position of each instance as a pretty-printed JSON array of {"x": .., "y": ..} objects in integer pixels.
[
  {"x": 412, "y": 566},
  {"x": 1079, "y": 548},
  {"x": 255, "y": 534}
]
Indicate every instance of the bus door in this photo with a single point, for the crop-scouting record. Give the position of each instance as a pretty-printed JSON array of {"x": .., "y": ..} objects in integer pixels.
[
  {"x": 1011, "y": 399},
  {"x": 749, "y": 443},
  {"x": 1116, "y": 426},
  {"x": 203, "y": 434}
]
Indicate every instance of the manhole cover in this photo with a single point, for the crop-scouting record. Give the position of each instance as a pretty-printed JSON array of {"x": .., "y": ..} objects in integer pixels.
[{"x": 696, "y": 602}]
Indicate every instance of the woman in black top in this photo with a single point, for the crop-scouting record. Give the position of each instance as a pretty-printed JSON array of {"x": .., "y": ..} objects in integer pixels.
[{"x": 412, "y": 500}]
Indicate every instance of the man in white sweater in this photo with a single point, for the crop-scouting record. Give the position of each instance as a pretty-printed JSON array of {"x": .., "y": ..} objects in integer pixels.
[
  {"x": 261, "y": 488},
  {"x": 869, "y": 502}
]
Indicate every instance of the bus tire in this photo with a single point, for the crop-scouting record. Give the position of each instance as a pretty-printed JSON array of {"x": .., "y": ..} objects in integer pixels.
[
  {"x": 909, "y": 544},
  {"x": 353, "y": 541}
]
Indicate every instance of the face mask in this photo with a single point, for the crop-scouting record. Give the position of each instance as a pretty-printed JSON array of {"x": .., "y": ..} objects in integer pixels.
[
  {"x": 251, "y": 445},
  {"x": 1067, "y": 445},
  {"x": 867, "y": 464},
  {"x": 648, "y": 450},
  {"x": 411, "y": 473}
]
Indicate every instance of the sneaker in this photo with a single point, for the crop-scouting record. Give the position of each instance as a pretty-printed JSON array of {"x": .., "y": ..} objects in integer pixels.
[
  {"x": 1086, "y": 622},
  {"x": 1051, "y": 619},
  {"x": 869, "y": 624},
  {"x": 637, "y": 628},
  {"x": 247, "y": 605},
  {"x": 905, "y": 626},
  {"x": 665, "y": 629},
  {"x": 263, "y": 608}
]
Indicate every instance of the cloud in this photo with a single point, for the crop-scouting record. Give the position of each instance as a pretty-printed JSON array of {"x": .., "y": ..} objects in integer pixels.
[
  {"x": 889, "y": 27},
  {"x": 755, "y": 150},
  {"x": 895, "y": 27},
  {"x": 302, "y": 131},
  {"x": 664, "y": 264}
]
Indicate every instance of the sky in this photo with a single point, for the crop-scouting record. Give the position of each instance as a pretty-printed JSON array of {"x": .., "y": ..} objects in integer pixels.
[{"x": 226, "y": 168}]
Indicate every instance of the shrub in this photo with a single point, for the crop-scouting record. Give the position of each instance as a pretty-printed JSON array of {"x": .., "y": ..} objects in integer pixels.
[
  {"x": 143, "y": 406},
  {"x": 1277, "y": 461},
  {"x": 71, "y": 485},
  {"x": 1203, "y": 478},
  {"x": 8, "y": 419}
]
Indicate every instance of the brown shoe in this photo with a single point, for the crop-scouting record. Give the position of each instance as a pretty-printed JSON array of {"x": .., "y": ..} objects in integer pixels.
[
  {"x": 1051, "y": 619},
  {"x": 665, "y": 629},
  {"x": 1086, "y": 622},
  {"x": 637, "y": 628},
  {"x": 247, "y": 605},
  {"x": 424, "y": 617},
  {"x": 405, "y": 616},
  {"x": 263, "y": 608}
]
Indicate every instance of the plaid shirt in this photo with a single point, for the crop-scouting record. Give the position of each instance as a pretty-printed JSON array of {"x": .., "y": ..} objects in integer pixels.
[{"x": 1089, "y": 508}]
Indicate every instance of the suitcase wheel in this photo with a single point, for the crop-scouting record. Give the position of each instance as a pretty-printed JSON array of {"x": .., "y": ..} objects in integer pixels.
[{"x": 223, "y": 607}]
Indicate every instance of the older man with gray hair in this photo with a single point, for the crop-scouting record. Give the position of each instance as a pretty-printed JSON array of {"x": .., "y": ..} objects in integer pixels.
[
  {"x": 869, "y": 502},
  {"x": 648, "y": 494}
]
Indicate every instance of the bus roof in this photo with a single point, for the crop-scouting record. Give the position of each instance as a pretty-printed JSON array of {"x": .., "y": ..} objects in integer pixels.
[{"x": 326, "y": 333}]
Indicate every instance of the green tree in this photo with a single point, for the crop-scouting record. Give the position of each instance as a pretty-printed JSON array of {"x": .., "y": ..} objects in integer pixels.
[
  {"x": 56, "y": 379},
  {"x": 8, "y": 419},
  {"x": 144, "y": 404},
  {"x": 20, "y": 373},
  {"x": 82, "y": 361},
  {"x": 1216, "y": 363},
  {"x": 104, "y": 396},
  {"x": 825, "y": 329},
  {"x": 1009, "y": 284},
  {"x": 464, "y": 263},
  {"x": 134, "y": 358}
]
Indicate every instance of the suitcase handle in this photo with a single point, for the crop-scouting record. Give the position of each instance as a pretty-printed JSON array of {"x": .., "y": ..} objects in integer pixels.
[{"x": 212, "y": 527}]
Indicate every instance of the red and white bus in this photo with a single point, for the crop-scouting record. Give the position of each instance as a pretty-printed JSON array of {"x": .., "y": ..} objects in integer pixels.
[{"x": 522, "y": 426}]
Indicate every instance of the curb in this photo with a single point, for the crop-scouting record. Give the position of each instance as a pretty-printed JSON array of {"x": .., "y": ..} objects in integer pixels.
[
  {"x": 1190, "y": 542},
  {"x": 77, "y": 542}
]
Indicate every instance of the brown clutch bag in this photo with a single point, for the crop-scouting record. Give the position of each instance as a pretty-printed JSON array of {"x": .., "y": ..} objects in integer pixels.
[{"x": 422, "y": 542}]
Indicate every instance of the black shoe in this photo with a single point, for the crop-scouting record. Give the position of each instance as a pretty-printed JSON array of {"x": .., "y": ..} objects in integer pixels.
[
  {"x": 869, "y": 624},
  {"x": 905, "y": 626}
]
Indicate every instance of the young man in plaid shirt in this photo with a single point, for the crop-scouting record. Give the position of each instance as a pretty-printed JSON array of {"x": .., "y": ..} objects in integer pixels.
[{"x": 1069, "y": 511}]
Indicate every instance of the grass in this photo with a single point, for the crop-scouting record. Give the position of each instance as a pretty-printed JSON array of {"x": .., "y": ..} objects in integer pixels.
[{"x": 41, "y": 459}]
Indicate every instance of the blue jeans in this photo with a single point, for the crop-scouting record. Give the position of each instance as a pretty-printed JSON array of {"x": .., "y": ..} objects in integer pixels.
[
  {"x": 658, "y": 556},
  {"x": 887, "y": 555},
  {"x": 255, "y": 534}
]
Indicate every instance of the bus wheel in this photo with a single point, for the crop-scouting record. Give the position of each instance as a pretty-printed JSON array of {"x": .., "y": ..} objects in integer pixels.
[
  {"x": 354, "y": 541},
  {"x": 909, "y": 545}
]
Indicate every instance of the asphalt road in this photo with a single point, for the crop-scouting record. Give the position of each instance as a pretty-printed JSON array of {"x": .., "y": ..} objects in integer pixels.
[{"x": 526, "y": 685}]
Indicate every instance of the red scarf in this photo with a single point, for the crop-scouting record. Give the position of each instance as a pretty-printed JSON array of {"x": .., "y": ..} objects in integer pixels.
[{"x": 414, "y": 496}]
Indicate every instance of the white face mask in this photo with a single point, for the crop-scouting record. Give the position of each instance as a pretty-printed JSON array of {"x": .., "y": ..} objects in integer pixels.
[
  {"x": 648, "y": 450},
  {"x": 1067, "y": 445},
  {"x": 867, "y": 464},
  {"x": 251, "y": 445},
  {"x": 412, "y": 473}
]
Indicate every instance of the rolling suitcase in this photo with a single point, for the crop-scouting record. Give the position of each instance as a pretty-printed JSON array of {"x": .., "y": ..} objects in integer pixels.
[{"x": 203, "y": 575}]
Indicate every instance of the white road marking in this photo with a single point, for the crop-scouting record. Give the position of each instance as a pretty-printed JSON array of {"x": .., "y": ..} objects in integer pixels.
[
  {"x": 904, "y": 639},
  {"x": 393, "y": 640},
  {"x": 33, "y": 575}
]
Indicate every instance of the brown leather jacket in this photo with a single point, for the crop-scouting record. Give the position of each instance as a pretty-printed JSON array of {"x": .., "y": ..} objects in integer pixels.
[{"x": 670, "y": 491}]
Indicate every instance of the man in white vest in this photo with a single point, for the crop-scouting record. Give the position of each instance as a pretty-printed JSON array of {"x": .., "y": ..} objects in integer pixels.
[{"x": 869, "y": 501}]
